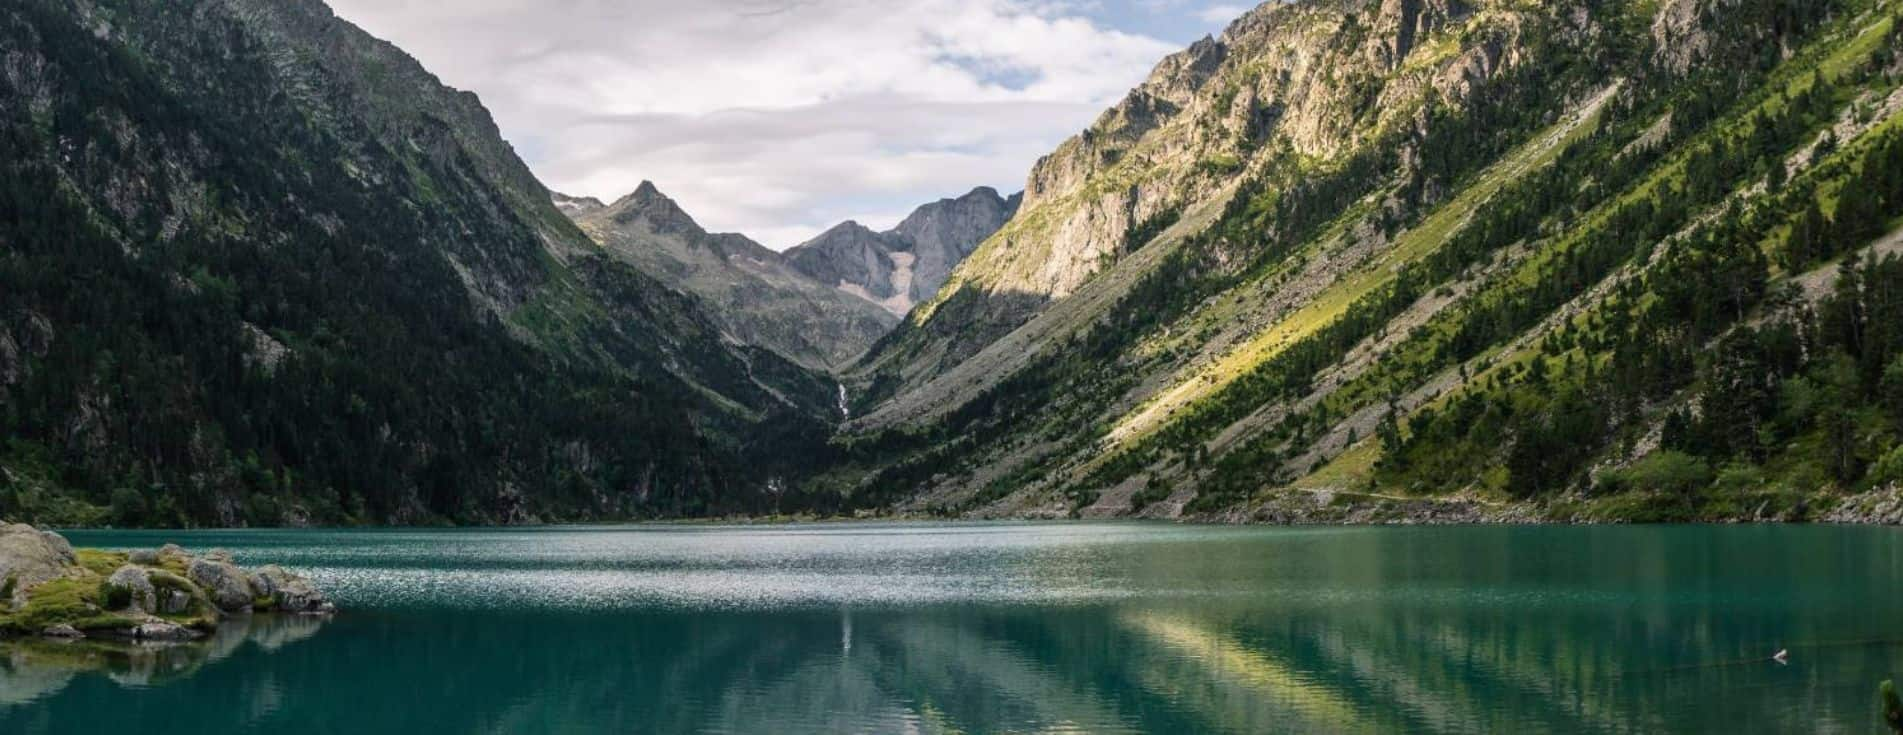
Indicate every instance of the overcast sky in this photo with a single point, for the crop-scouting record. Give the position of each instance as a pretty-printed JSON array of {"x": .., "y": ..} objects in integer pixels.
[{"x": 780, "y": 118}]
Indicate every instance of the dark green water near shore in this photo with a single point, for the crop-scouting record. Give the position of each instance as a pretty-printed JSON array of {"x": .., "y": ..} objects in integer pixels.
[{"x": 1097, "y": 628}]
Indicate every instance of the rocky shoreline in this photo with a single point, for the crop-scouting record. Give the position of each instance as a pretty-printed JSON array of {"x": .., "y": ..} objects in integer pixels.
[
  {"x": 49, "y": 589},
  {"x": 1881, "y": 506}
]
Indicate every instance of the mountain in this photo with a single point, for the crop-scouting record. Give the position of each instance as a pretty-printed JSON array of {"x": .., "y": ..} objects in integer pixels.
[
  {"x": 751, "y": 290},
  {"x": 1349, "y": 261},
  {"x": 1434, "y": 259},
  {"x": 906, "y": 265},
  {"x": 258, "y": 268}
]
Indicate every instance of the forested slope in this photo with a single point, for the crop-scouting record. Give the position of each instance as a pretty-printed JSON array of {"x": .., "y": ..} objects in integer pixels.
[
  {"x": 1562, "y": 260},
  {"x": 257, "y": 267}
]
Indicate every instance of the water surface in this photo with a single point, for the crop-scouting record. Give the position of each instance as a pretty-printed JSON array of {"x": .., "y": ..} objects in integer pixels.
[{"x": 1099, "y": 628}]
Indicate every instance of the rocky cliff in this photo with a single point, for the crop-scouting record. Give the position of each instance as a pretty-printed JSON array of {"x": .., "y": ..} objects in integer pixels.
[
  {"x": 1374, "y": 252},
  {"x": 752, "y": 291},
  {"x": 899, "y": 268},
  {"x": 1287, "y": 82}
]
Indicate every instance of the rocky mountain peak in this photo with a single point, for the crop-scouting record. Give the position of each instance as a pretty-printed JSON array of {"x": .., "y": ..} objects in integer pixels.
[
  {"x": 573, "y": 206},
  {"x": 907, "y": 264},
  {"x": 658, "y": 210}
]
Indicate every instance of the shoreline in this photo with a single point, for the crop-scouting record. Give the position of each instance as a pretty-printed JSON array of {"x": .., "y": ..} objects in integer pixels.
[{"x": 1320, "y": 508}]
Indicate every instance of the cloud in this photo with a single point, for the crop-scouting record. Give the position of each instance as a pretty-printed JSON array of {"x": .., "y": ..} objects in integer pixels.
[
  {"x": 1222, "y": 13},
  {"x": 777, "y": 118}
]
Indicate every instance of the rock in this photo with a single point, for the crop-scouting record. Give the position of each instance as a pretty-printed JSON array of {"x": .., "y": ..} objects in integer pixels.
[
  {"x": 62, "y": 631},
  {"x": 224, "y": 583},
  {"x": 760, "y": 297},
  {"x": 174, "y": 602},
  {"x": 170, "y": 550},
  {"x": 262, "y": 585},
  {"x": 219, "y": 555},
  {"x": 60, "y": 545},
  {"x": 163, "y": 631},
  {"x": 136, "y": 586},
  {"x": 295, "y": 594},
  {"x": 144, "y": 557},
  {"x": 905, "y": 265},
  {"x": 29, "y": 557}
]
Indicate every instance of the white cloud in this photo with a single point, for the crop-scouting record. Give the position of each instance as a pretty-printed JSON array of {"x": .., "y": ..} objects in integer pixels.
[
  {"x": 1222, "y": 13},
  {"x": 776, "y": 119}
]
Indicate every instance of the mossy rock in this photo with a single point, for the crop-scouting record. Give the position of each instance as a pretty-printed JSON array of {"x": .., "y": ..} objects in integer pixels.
[
  {"x": 102, "y": 563},
  {"x": 73, "y": 601}
]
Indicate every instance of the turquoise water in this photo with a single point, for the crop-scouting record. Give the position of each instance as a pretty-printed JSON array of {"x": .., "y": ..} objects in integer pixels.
[{"x": 1099, "y": 628}]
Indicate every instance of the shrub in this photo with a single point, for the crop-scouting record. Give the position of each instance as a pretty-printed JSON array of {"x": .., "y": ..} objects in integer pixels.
[
  {"x": 114, "y": 597},
  {"x": 1153, "y": 492},
  {"x": 1889, "y": 469},
  {"x": 1669, "y": 472}
]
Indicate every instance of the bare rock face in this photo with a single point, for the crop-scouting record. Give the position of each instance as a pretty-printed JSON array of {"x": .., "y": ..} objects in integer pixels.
[
  {"x": 1678, "y": 32},
  {"x": 901, "y": 267},
  {"x": 23, "y": 335},
  {"x": 851, "y": 256},
  {"x": 942, "y": 234},
  {"x": 576, "y": 206},
  {"x": 1685, "y": 36},
  {"x": 30, "y": 557},
  {"x": 1310, "y": 81},
  {"x": 757, "y": 297}
]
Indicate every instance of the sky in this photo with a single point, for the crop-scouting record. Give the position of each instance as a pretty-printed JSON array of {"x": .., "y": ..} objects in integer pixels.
[{"x": 781, "y": 118}]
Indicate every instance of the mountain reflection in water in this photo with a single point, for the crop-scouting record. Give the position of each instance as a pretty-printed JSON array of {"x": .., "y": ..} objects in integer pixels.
[{"x": 1099, "y": 628}]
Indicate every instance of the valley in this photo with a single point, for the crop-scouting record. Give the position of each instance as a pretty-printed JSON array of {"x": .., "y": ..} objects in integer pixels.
[{"x": 1347, "y": 261}]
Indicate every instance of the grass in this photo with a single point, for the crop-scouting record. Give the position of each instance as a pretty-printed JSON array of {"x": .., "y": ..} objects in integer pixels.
[
  {"x": 74, "y": 601},
  {"x": 1334, "y": 301},
  {"x": 102, "y": 563},
  {"x": 1837, "y": 61},
  {"x": 1351, "y": 469},
  {"x": 82, "y": 599}
]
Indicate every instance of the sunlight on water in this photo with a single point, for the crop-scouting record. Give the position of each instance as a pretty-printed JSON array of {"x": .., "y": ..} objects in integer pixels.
[{"x": 1088, "y": 628}]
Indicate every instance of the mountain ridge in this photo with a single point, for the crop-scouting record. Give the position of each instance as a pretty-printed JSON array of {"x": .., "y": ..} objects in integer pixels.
[
  {"x": 1249, "y": 296},
  {"x": 900, "y": 267},
  {"x": 1348, "y": 261},
  {"x": 320, "y": 288}
]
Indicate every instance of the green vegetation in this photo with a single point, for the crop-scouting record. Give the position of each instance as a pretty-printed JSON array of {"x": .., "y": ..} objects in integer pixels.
[
  {"x": 1597, "y": 280},
  {"x": 75, "y": 602},
  {"x": 335, "y": 306},
  {"x": 1552, "y": 318}
]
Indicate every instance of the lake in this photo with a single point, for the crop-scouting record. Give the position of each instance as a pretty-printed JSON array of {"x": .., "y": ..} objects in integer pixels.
[{"x": 1098, "y": 628}]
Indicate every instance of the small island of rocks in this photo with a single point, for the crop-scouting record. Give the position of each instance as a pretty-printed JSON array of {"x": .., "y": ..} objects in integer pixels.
[{"x": 50, "y": 589}]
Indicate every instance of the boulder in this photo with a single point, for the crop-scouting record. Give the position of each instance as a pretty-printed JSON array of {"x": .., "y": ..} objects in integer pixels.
[
  {"x": 219, "y": 555},
  {"x": 163, "y": 631},
  {"x": 262, "y": 585},
  {"x": 132, "y": 582},
  {"x": 61, "y": 546},
  {"x": 169, "y": 550},
  {"x": 174, "y": 602},
  {"x": 29, "y": 557},
  {"x": 144, "y": 557},
  {"x": 62, "y": 631},
  {"x": 295, "y": 594},
  {"x": 224, "y": 583}
]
